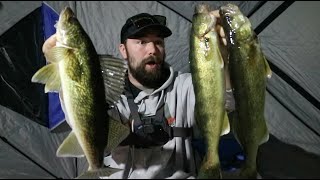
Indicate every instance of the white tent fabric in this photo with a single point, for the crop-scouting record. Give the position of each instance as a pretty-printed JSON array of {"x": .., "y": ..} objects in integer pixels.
[
  {"x": 291, "y": 42},
  {"x": 36, "y": 143}
]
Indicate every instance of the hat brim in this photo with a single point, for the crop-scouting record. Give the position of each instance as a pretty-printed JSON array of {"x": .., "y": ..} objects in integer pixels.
[{"x": 161, "y": 30}]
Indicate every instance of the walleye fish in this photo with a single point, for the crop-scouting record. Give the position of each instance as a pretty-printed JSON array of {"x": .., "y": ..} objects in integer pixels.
[
  {"x": 87, "y": 92},
  {"x": 248, "y": 73},
  {"x": 206, "y": 65}
]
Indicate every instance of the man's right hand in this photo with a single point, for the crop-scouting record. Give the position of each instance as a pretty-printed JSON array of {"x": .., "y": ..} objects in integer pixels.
[{"x": 49, "y": 43}]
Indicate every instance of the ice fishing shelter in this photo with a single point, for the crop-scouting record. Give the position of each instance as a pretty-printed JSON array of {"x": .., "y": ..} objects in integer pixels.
[{"x": 32, "y": 125}]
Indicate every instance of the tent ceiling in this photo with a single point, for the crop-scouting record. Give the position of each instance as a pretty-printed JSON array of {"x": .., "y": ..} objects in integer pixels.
[{"x": 11, "y": 12}]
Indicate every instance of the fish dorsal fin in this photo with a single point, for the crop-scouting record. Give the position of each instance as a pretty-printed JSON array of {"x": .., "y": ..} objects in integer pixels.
[
  {"x": 114, "y": 72},
  {"x": 48, "y": 75},
  {"x": 70, "y": 147},
  {"x": 116, "y": 134}
]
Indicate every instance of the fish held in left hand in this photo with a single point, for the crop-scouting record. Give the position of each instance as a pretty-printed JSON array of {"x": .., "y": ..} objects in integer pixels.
[
  {"x": 87, "y": 91},
  {"x": 249, "y": 71}
]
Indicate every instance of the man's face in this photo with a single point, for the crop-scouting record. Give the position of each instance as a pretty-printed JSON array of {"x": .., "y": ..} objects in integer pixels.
[{"x": 146, "y": 60}]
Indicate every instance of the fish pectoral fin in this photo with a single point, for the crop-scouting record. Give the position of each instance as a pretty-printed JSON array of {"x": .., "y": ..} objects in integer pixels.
[
  {"x": 48, "y": 75},
  {"x": 102, "y": 173},
  {"x": 70, "y": 147},
  {"x": 225, "y": 125},
  {"x": 114, "y": 73},
  {"x": 57, "y": 54},
  {"x": 116, "y": 134},
  {"x": 268, "y": 69}
]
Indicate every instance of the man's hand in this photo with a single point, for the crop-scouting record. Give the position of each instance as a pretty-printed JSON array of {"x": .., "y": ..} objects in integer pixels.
[
  {"x": 49, "y": 43},
  {"x": 223, "y": 47},
  {"x": 219, "y": 29}
]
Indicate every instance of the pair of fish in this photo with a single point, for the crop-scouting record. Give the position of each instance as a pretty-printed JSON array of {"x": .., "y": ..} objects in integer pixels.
[
  {"x": 248, "y": 70},
  {"x": 89, "y": 84},
  {"x": 207, "y": 70}
]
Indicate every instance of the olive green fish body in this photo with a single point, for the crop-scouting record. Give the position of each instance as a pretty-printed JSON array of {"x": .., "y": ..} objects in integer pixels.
[
  {"x": 75, "y": 71},
  {"x": 206, "y": 65},
  {"x": 83, "y": 90},
  {"x": 248, "y": 70}
]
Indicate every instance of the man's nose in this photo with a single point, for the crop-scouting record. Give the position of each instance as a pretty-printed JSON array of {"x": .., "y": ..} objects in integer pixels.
[{"x": 152, "y": 48}]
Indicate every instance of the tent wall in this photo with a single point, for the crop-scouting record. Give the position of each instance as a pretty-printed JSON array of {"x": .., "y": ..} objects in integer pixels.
[
  {"x": 103, "y": 22},
  {"x": 285, "y": 43},
  {"x": 292, "y": 47},
  {"x": 290, "y": 43},
  {"x": 28, "y": 149},
  {"x": 20, "y": 57},
  {"x": 12, "y": 12}
]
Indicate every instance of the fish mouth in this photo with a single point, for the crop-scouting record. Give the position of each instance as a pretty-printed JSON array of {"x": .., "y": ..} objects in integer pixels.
[
  {"x": 229, "y": 13},
  {"x": 229, "y": 9},
  {"x": 65, "y": 21},
  {"x": 66, "y": 13},
  {"x": 202, "y": 8},
  {"x": 65, "y": 16}
]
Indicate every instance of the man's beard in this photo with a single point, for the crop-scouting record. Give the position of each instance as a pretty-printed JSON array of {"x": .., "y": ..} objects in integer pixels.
[{"x": 153, "y": 78}]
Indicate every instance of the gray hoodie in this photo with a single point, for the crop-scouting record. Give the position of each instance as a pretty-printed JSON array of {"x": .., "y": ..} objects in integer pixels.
[{"x": 176, "y": 158}]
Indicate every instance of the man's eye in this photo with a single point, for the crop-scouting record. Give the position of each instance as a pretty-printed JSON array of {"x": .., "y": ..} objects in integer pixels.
[
  {"x": 142, "y": 42},
  {"x": 161, "y": 43}
]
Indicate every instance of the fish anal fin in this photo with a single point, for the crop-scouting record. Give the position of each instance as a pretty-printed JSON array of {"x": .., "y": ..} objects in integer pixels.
[{"x": 70, "y": 147}]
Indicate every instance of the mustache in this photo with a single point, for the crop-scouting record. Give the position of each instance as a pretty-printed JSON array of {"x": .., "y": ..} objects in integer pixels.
[{"x": 152, "y": 59}]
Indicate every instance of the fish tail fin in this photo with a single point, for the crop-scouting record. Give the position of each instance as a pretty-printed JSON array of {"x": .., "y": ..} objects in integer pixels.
[{"x": 98, "y": 174}]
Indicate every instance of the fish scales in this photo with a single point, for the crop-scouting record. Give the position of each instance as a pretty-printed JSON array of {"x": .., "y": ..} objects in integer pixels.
[
  {"x": 75, "y": 71},
  {"x": 206, "y": 65},
  {"x": 248, "y": 73}
]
